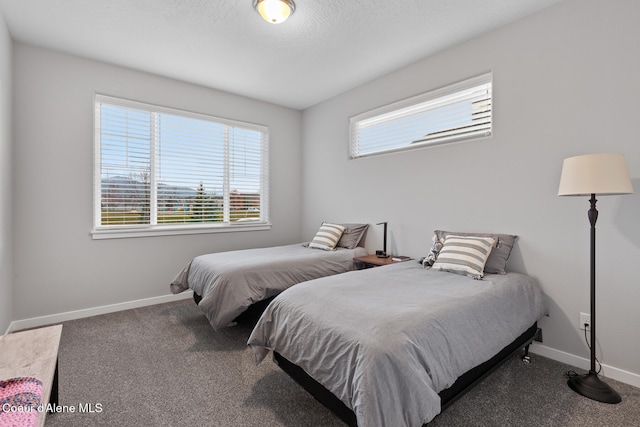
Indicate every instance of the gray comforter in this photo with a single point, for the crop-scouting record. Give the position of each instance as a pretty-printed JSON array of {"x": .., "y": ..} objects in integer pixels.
[
  {"x": 229, "y": 282},
  {"x": 386, "y": 340}
]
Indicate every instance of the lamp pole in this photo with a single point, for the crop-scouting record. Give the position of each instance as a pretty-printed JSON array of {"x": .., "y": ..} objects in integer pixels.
[
  {"x": 590, "y": 385},
  {"x": 593, "y": 217}
]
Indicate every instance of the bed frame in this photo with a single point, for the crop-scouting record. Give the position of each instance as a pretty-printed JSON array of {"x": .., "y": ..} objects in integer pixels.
[
  {"x": 251, "y": 314},
  {"x": 448, "y": 396}
]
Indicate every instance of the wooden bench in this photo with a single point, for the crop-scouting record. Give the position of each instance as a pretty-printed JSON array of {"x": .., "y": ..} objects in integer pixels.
[{"x": 33, "y": 353}]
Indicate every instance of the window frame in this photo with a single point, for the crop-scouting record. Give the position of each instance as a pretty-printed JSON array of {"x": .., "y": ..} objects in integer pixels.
[
  {"x": 386, "y": 113},
  {"x": 100, "y": 231}
]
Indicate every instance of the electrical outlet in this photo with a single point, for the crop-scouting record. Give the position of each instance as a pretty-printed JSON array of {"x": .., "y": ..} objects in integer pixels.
[{"x": 585, "y": 318}]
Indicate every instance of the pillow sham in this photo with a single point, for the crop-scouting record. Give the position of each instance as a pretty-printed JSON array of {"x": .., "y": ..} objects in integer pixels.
[
  {"x": 497, "y": 262},
  {"x": 352, "y": 235},
  {"x": 327, "y": 236},
  {"x": 464, "y": 255}
]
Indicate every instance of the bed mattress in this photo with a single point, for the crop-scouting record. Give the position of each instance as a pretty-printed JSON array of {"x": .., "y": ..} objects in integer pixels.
[
  {"x": 386, "y": 340},
  {"x": 229, "y": 282}
]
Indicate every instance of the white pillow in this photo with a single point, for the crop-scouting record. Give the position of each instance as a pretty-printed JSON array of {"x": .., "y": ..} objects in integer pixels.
[
  {"x": 327, "y": 236},
  {"x": 464, "y": 255}
]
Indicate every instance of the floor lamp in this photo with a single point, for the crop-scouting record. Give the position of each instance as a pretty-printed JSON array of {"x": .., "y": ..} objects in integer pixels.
[{"x": 601, "y": 174}]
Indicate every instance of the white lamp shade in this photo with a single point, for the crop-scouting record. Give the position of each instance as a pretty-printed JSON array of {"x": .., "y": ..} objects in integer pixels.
[
  {"x": 275, "y": 11},
  {"x": 604, "y": 174}
]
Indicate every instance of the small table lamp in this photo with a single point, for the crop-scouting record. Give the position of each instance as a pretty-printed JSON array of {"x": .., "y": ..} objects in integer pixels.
[
  {"x": 383, "y": 252},
  {"x": 603, "y": 174}
]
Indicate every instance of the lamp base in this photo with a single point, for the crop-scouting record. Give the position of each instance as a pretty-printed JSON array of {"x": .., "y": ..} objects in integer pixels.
[
  {"x": 591, "y": 386},
  {"x": 382, "y": 254}
]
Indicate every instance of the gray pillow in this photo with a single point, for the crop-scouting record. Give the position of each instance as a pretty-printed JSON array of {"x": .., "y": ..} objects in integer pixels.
[
  {"x": 352, "y": 236},
  {"x": 497, "y": 261}
]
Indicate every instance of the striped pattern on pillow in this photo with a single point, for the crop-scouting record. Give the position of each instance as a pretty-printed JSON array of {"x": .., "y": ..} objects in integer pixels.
[
  {"x": 464, "y": 255},
  {"x": 327, "y": 236}
]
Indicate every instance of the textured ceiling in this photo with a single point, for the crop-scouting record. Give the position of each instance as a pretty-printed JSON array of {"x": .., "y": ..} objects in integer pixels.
[{"x": 325, "y": 48}]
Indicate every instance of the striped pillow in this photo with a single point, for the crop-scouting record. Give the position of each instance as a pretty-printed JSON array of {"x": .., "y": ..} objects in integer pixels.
[
  {"x": 464, "y": 255},
  {"x": 327, "y": 237}
]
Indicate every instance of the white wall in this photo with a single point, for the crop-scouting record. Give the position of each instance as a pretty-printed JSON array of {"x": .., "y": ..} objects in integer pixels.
[
  {"x": 57, "y": 265},
  {"x": 566, "y": 82},
  {"x": 6, "y": 281}
]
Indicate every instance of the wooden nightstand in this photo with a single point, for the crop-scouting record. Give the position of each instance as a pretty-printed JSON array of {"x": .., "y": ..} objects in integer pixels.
[{"x": 368, "y": 261}]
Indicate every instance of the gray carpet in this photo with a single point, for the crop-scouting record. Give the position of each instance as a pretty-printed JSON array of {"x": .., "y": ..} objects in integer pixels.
[{"x": 163, "y": 365}]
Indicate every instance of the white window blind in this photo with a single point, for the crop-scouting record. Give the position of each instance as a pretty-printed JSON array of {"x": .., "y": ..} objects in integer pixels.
[
  {"x": 159, "y": 168},
  {"x": 453, "y": 113}
]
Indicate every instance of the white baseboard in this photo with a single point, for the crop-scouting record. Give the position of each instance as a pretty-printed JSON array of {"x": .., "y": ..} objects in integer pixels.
[
  {"x": 542, "y": 350},
  {"x": 584, "y": 363},
  {"x": 35, "y": 322}
]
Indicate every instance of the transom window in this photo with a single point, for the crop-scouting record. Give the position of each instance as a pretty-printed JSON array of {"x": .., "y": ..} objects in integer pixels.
[
  {"x": 167, "y": 171},
  {"x": 458, "y": 112}
]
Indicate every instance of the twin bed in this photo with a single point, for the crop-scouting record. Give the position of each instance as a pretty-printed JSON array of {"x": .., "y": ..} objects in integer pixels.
[
  {"x": 386, "y": 341},
  {"x": 226, "y": 284},
  {"x": 395, "y": 345}
]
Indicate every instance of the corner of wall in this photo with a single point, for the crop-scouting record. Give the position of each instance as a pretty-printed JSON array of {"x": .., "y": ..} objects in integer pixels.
[{"x": 6, "y": 234}]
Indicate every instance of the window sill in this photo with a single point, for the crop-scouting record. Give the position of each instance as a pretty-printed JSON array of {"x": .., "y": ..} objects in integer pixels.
[{"x": 125, "y": 232}]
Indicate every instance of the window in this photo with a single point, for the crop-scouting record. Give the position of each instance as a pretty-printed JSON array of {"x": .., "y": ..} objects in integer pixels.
[
  {"x": 159, "y": 170},
  {"x": 458, "y": 112}
]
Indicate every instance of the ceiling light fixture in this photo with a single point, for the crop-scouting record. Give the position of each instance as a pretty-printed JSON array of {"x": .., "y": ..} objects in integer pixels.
[{"x": 274, "y": 11}]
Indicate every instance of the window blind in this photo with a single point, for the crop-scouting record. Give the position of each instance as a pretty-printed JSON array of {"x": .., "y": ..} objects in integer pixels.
[
  {"x": 160, "y": 167},
  {"x": 453, "y": 113}
]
